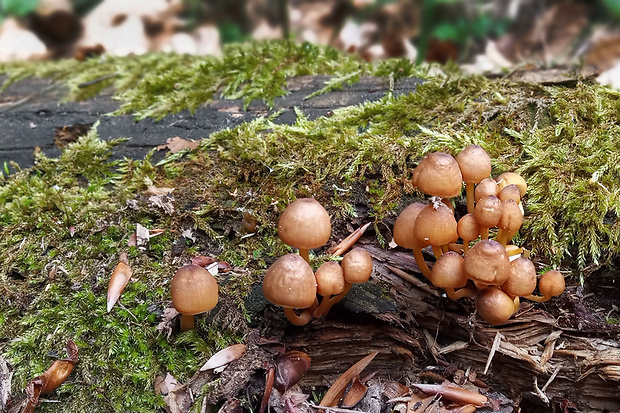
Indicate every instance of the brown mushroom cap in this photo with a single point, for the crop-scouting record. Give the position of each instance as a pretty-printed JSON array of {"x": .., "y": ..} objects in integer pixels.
[
  {"x": 522, "y": 278},
  {"x": 403, "y": 227},
  {"x": 357, "y": 266},
  {"x": 448, "y": 272},
  {"x": 487, "y": 263},
  {"x": 552, "y": 283},
  {"x": 511, "y": 218},
  {"x": 468, "y": 228},
  {"x": 486, "y": 187},
  {"x": 194, "y": 290},
  {"x": 329, "y": 279},
  {"x": 290, "y": 282},
  {"x": 435, "y": 225},
  {"x": 509, "y": 178},
  {"x": 438, "y": 174},
  {"x": 488, "y": 211},
  {"x": 475, "y": 164},
  {"x": 510, "y": 192},
  {"x": 304, "y": 224},
  {"x": 494, "y": 306}
]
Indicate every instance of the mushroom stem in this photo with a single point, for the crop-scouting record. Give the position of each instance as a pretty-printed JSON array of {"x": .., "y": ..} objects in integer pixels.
[
  {"x": 517, "y": 302},
  {"x": 501, "y": 237},
  {"x": 305, "y": 254},
  {"x": 465, "y": 246},
  {"x": 187, "y": 322},
  {"x": 437, "y": 251},
  {"x": 328, "y": 302},
  {"x": 445, "y": 248},
  {"x": 299, "y": 320},
  {"x": 469, "y": 191},
  {"x": 463, "y": 292},
  {"x": 268, "y": 387},
  {"x": 458, "y": 248},
  {"x": 538, "y": 298},
  {"x": 484, "y": 233},
  {"x": 419, "y": 259}
]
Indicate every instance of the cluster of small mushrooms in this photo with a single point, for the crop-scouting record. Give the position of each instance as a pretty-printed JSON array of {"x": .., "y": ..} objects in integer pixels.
[
  {"x": 493, "y": 271},
  {"x": 290, "y": 281}
]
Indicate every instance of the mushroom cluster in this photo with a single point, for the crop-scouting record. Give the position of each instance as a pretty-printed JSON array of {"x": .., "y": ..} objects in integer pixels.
[
  {"x": 492, "y": 270},
  {"x": 290, "y": 282}
]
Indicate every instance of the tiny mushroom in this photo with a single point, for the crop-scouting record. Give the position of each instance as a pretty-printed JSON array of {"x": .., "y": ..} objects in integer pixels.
[
  {"x": 438, "y": 174},
  {"x": 522, "y": 279},
  {"x": 488, "y": 212},
  {"x": 435, "y": 225},
  {"x": 305, "y": 225},
  {"x": 448, "y": 274},
  {"x": 194, "y": 290},
  {"x": 551, "y": 284},
  {"x": 487, "y": 263},
  {"x": 494, "y": 306},
  {"x": 468, "y": 230},
  {"x": 403, "y": 235},
  {"x": 486, "y": 187},
  {"x": 509, "y": 178},
  {"x": 357, "y": 268},
  {"x": 510, "y": 222},
  {"x": 290, "y": 283},
  {"x": 475, "y": 166}
]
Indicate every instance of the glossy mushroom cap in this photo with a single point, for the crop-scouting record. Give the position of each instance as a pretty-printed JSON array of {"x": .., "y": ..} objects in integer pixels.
[
  {"x": 329, "y": 279},
  {"x": 475, "y": 164},
  {"x": 552, "y": 283},
  {"x": 357, "y": 266},
  {"x": 488, "y": 211},
  {"x": 403, "y": 227},
  {"x": 487, "y": 263},
  {"x": 510, "y": 192},
  {"x": 438, "y": 174},
  {"x": 485, "y": 188},
  {"x": 304, "y": 224},
  {"x": 468, "y": 228},
  {"x": 194, "y": 290},
  {"x": 511, "y": 218},
  {"x": 435, "y": 225},
  {"x": 290, "y": 282},
  {"x": 522, "y": 278},
  {"x": 509, "y": 178},
  {"x": 494, "y": 306},
  {"x": 448, "y": 272}
]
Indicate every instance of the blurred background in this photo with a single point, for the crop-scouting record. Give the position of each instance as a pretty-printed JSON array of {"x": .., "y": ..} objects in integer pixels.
[{"x": 480, "y": 35}]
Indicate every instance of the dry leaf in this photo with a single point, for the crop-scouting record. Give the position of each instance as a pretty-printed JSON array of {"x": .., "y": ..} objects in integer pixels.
[
  {"x": 224, "y": 356},
  {"x": 203, "y": 261},
  {"x": 167, "y": 317},
  {"x": 355, "y": 394},
  {"x": 153, "y": 190},
  {"x": 164, "y": 385},
  {"x": 118, "y": 281},
  {"x": 178, "y": 144},
  {"x": 142, "y": 235},
  {"x": 52, "y": 378},
  {"x": 290, "y": 368},
  {"x": 336, "y": 391},
  {"x": 455, "y": 394},
  {"x": 162, "y": 201}
]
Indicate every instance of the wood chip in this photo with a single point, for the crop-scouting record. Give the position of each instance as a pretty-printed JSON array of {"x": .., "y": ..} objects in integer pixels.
[{"x": 496, "y": 343}]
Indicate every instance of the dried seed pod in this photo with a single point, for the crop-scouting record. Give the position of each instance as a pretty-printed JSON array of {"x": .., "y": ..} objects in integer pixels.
[
  {"x": 224, "y": 356},
  {"x": 118, "y": 281},
  {"x": 290, "y": 368}
]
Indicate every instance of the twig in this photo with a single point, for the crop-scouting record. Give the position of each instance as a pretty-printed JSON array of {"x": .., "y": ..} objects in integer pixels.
[
  {"x": 333, "y": 409},
  {"x": 555, "y": 373},
  {"x": 496, "y": 343},
  {"x": 97, "y": 80},
  {"x": 413, "y": 280}
]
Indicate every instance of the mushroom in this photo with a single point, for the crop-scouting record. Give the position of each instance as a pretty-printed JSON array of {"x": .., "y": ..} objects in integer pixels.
[
  {"x": 290, "y": 283},
  {"x": 551, "y": 284},
  {"x": 448, "y": 274},
  {"x": 509, "y": 178},
  {"x": 522, "y": 279},
  {"x": 487, "y": 263},
  {"x": 435, "y": 225},
  {"x": 494, "y": 306},
  {"x": 194, "y": 290},
  {"x": 475, "y": 165},
  {"x": 357, "y": 268},
  {"x": 488, "y": 212},
  {"x": 509, "y": 222},
  {"x": 486, "y": 187},
  {"x": 468, "y": 230},
  {"x": 511, "y": 192},
  {"x": 304, "y": 224},
  {"x": 438, "y": 174},
  {"x": 403, "y": 235}
]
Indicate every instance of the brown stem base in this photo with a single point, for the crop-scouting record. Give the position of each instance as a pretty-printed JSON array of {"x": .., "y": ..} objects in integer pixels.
[
  {"x": 462, "y": 293},
  {"x": 298, "y": 320},
  {"x": 328, "y": 302},
  {"x": 187, "y": 322}
]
